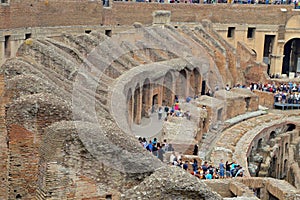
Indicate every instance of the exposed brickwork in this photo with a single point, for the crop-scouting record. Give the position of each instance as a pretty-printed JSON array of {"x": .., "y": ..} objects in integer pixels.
[
  {"x": 23, "y": 162},
  {"x": 123, "y": 13},
  {"x": 31, "y": 13},
  {"x": 39, "y": 13},
  {"x": 3, "y": 143},
  {"x": 265, "y": 98}
]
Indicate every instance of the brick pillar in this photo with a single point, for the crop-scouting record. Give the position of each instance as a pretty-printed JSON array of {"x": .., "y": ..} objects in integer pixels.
[
  {"x": 189, "y": 87},
  {"x": 23, "y": 162},
  {"x": 277, "y": 59},
  {"x": 2, "y": 53}
]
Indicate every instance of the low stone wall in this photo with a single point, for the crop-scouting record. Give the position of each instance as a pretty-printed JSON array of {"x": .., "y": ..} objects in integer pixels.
[
  {"x": 243, "y": 188},
  {"x": 265, "y": 98}
]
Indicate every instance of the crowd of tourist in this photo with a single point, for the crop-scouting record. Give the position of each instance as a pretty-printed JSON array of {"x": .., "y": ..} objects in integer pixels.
[
  {"x": 206, "y": 171},
  {"x": 283, "y": 93},
  {"x": 156, "y": 148},
  {"x": 174, "y": 111}
]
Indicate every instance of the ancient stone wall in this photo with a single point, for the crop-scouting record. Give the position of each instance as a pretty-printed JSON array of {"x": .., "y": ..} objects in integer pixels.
[
  {"x": 143, "y": 13},
  {"x": 31, "y": 13},
  {"x": 265, "y": 98},
  {"x": 251, "y": 69}
]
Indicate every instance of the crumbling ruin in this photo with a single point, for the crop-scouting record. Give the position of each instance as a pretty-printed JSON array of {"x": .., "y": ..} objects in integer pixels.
[{"x": 71, "y": 92}]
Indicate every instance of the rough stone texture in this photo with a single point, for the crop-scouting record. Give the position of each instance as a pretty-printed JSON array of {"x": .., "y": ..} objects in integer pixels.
[
  {"x": 60, "y": 135},
  {"x": 265, "y": 98},
  {"x": 157, "y": 186},
  {"x": 64, "y": 139},
  {"x": 243, "y": 99}
]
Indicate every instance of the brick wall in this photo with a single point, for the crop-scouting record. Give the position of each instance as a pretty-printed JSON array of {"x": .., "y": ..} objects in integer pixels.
[
  {"x": 32, "y": 13},
  {"x": 3, "y": 142},
  {"x": 128, "y": 13},
  {"x": 252, "y": 70},
  {"x": 265, "y": 98}
]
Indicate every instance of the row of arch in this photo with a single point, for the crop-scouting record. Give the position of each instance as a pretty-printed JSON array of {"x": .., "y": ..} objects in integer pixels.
[
  {"x": 147, "y": 96},
  {"x": 278, "y": 164}
]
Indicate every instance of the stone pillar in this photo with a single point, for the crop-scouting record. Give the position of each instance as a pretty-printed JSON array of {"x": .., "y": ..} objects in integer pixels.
[
  {"x": 189, "y": 87},
  {"x": 138, "y": 105},
  {"x": 2, "y": 53},
  {"x": 130, "y": 104},
  {"x": 277, "y": 59}
]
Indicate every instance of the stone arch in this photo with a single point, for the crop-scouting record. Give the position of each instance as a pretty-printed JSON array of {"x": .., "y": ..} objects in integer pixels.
[
  {"x": 195, "y": 82},
  {"x": 137, "y": 104},
  {"x": 146, "y": 96},
  {"x": 291, "y": 53},
  {"x": 259, "y": 143},
  {"x": 129, "y": 100},
  {"x": 272, "y": 135},
  {"x": 181, "y": 84},
  {"x": 168, "y": 94},
  {"x": 290, "y": 127}
]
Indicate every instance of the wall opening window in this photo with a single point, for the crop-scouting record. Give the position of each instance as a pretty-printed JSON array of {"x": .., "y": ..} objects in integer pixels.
[
  {"x": 108, "y": 33},
  {"x": 251, "y": 32},
  {"x": 7, "y": 45},
  {"x": 4, "y": 1},
  {"x": 268, "y": 48},
  {"x": 87, "y": 31},
  {"x": 27, "y": 36},
  {"x": 230, "y": 32}
]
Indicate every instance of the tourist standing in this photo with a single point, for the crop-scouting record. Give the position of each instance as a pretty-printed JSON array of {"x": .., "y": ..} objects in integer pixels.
[{"x": 222, "y": 169}]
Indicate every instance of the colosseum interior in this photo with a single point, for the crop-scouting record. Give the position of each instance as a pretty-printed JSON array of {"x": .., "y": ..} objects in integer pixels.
[{"x": 80, "y": 79}]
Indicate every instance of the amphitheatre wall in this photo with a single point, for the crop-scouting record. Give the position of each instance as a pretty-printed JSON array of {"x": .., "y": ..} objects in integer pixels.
[
  {"x": 75, "y": 18},
  {"x": 68, "y": 13}
]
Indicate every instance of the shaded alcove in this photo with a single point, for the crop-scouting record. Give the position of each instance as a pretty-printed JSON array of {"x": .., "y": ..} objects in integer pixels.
[
  {"x": 195, "y": 82},
  {"x": 291, "y": 60},
  {"x": 181, "y": 83},
  {"x": 168, "y": 94}
]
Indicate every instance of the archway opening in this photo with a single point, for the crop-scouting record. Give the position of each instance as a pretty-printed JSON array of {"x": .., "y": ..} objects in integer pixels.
[
  {"x": 168, "y": 95},
  {"x": 195, "y": 82},
  {"x": 272, "y": 135},
  {"x": 290, "y": 127},
  {"x": 291, "y": 60},
  {"x": 181, "y": 83}
]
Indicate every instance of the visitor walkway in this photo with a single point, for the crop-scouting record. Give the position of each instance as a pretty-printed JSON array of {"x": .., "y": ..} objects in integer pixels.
[{"x": 286, "y": 106}]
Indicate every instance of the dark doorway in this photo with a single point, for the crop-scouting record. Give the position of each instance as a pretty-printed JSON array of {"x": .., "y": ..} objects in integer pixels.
[
  {"x": 27, "y": 36},
  {"x": 291, "y": 60},
  {"x": 203, "y": 87},
  {"x": 155, "y": 99},
  {"x": 7, "y": 46},
  {"x": 268, "y": 48},
  {"x": 108, "y": 33}
]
